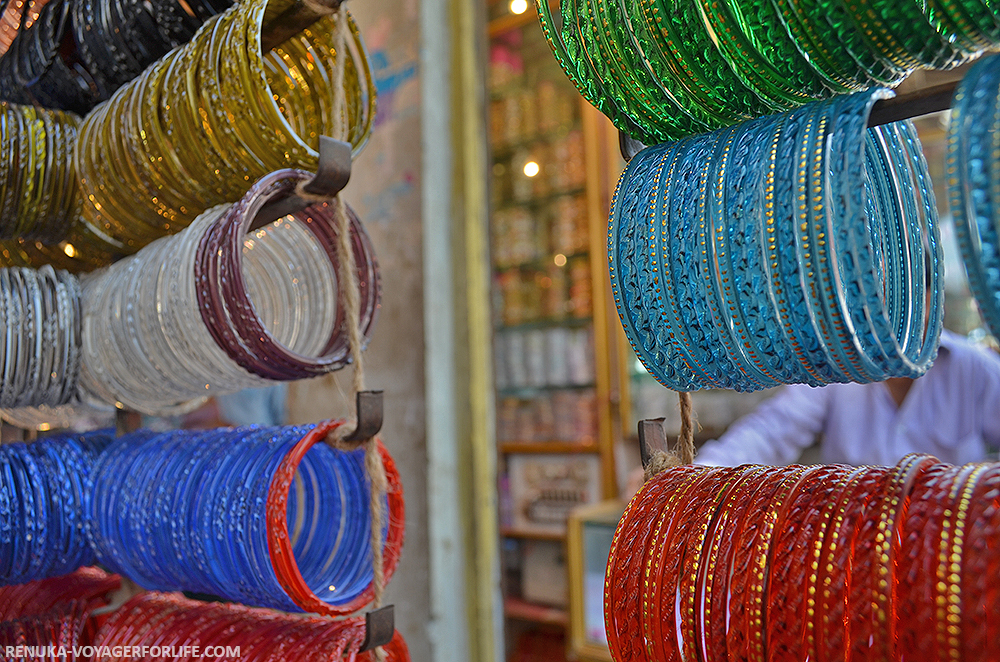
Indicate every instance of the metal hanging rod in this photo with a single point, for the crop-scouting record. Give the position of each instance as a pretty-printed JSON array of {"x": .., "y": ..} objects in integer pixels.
[
  {"x": 332, "y": 175},
  {"x": 914, "y": 104},
  {"x": 294, "y": 20},
  {"x": 904, "y": 106}
]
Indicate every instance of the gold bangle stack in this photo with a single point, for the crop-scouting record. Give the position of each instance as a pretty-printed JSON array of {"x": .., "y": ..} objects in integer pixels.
[
  {"x": 38, "y": 195},
  {"x": 209, "y": 119}
]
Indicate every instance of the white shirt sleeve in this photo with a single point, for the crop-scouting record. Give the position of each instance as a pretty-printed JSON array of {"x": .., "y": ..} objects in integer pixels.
[
  {"x": 775, "y": 433},
  {"x": 989, "y": 397}
]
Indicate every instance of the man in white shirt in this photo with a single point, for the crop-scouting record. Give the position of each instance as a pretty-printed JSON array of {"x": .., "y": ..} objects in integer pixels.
[{"x": 952, "y": 412}]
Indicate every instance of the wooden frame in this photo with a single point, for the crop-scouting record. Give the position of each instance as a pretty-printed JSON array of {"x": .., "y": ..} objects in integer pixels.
[{"x": 607, "y": 513}]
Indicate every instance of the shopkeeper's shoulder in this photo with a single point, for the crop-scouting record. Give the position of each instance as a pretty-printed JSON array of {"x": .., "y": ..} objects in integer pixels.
[{"x": 964, "y": 357}]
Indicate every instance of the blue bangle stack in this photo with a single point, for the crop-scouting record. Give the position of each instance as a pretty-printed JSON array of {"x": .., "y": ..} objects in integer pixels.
[
  {"x": 44, "y": 497},
  {"x": 973, "y": 169},
  {"x": 192, "y": 510},
  {"x": 790, "y": 249}
]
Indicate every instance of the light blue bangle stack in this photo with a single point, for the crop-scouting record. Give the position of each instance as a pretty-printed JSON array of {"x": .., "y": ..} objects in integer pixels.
[
  {"x": 973, "y": 169},
  {"x": 791, "y": 249}
]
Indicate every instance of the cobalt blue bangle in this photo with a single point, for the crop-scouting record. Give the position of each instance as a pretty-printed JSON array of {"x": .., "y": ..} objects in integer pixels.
[
  {"x": 266, "y": 516},
  {"x": 789, "y": 249},
  {"x": 973, "y": 168},
  {"x": 45, "y": 489}
]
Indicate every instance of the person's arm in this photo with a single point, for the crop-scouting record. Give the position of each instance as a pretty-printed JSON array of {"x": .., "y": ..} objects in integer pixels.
[{"x": 775, "y": 433}]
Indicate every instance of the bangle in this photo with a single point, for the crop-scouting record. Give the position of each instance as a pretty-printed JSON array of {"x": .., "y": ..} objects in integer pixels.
[
  {"x": 624, "y": 616},
  {"x": 763, "y": 55},
  {"x": 979, "y": 627},
  {"x": 872, "y": 575},
  {"x": 749, "y": 570},
  {"x": 687, "y": 547},
  {"x": 794, "y": 567},
  {"x": 921, "y": 535},
  {"x": 951, "y": 560},
  {"x": 712, "y": 596},
  {"x": 853, "y": 507},
  {"x": 669, "y": 510}
]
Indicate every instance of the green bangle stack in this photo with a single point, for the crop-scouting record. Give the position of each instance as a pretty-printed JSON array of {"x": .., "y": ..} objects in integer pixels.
[{"x": 666, "y": 69}]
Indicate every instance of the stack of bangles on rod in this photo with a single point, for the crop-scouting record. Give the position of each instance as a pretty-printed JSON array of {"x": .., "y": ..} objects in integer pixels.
[
  {"x": 797, "y": 248},
  {"x": 40, "y": 319},
  {"x": 65, "y": 614},
  {"x": 38, "y": 186},
  {"x": 52, "y": 617},
  {"x": 91, "y": 586},
  {"x": 158, "y": 622},
  {"x": 666, "y": 70},
  {"x": 45, "y": 500},
  {"x": 808, "y": 563},
  {"x": 209, "y": 118},
  {"x": 78, "y": 52},
  {"x": 270, "y": 517},
  {"x": 148, "y": 161},
  {"x": 213, "y": 309},
  {"x": 973, "y": 170}
]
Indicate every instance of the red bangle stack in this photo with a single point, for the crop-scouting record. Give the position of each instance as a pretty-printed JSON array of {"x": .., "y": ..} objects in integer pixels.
[
  {"x": 820, "y": 563},
  {"x": 155, "y": 626},
  {"x": 90, "y": 586}
]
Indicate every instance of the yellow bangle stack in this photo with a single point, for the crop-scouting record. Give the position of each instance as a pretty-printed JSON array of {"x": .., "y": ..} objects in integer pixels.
[
  {"x": 37, "y": 183},
  {"x": 209, "y": 119}
]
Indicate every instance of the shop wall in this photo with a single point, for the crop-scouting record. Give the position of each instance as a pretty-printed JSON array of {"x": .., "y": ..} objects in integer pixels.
[{"x": 385, "y": 191}]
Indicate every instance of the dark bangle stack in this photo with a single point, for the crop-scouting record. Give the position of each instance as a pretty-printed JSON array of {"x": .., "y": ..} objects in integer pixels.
[
  {"x": 78, "y": 52},
  {"x": 41, "y": 67},
  {"x": 17, "y": 15}
]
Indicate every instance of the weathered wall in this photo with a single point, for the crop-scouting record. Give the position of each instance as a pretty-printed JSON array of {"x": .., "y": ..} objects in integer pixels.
[{"x": 385, "y": 191}]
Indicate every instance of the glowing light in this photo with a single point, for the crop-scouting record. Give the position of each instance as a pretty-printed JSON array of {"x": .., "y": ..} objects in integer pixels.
[
  {"x": 531, "y": 168},
  {"x": 518, "y": 6},
  {"x": 560, "y": 260},
  {"x": 70, "y": 250}
]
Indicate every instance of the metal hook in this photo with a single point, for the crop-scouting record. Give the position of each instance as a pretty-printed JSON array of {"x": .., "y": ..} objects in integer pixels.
[
  {"x": 126, "y": 421},
  {"x": 294, "y": 20},
  {"x": 369, "y": 409},
  {"x": 629, "y": 146},
  {"x": 380, "y": 626},
  {"x": 332, "y": 175},
  {"x": 652, "y": 438}
]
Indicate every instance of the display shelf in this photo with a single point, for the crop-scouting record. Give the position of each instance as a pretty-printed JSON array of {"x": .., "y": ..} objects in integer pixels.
[
  {"x": 574, "y": 322},
  {"x": 541, "y": 264},
  {"x": 525, "y": 534},
  {"x": 558, "y": 447},
  {"x": 529, "y": 392},
  {"x": 507, "y": 149},
  {"x": 548, "y": 235},
  {"x": 522, "y": 610},
  {"x": 540, "y": 200}
]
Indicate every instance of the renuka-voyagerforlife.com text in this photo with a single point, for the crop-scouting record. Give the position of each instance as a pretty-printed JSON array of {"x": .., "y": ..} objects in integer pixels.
[{"x": 86, "y": 652}]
